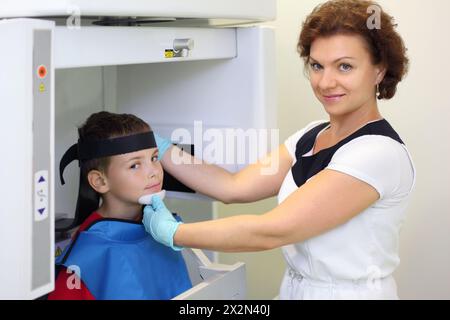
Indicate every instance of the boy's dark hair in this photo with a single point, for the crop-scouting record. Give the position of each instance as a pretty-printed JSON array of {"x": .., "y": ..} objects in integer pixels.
[{"x": 99, "y": 126}]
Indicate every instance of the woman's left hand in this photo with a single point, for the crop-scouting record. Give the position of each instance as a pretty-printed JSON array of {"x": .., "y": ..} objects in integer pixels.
[{"x": 160, "y": 223}]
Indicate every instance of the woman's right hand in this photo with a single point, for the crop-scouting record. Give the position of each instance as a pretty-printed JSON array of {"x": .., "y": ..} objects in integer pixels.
[{"x": 163, "y": 145}]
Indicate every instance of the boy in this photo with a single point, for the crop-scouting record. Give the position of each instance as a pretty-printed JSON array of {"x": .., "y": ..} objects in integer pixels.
[{"x": 111, "y": 256}]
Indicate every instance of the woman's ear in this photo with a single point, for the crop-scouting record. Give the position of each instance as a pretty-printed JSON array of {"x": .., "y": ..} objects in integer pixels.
[
  {"x": 97, "y": 180},
  {"x": 380, "y": 73}
]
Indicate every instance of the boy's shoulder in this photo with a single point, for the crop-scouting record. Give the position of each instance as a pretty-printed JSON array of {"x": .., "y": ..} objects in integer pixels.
[{"x": 89, "y": 220}]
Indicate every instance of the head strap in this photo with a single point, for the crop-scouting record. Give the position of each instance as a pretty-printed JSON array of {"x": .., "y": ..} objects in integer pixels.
[{"x": 86, "y": 150}]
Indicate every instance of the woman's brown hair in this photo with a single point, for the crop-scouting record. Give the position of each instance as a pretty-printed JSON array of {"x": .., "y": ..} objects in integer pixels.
[{"x": 384, "y": 44}]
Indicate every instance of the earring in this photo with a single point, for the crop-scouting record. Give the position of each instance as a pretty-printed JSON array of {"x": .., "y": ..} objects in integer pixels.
[{"x": 378, "y": 91}]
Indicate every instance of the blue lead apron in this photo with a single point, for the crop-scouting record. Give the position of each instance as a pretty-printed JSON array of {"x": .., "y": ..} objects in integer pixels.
[{"x": 118, "y": 259}]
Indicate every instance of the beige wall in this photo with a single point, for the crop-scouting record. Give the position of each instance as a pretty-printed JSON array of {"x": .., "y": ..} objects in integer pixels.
[
  {"x": 264, "y": 269},
  {"x": 420, "y": 113}
]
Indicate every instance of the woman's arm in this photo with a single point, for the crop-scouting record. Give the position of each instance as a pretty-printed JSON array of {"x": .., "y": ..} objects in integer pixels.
[
  {"x": 326, "y": 201},
  {"x": 255, "y": 182}
]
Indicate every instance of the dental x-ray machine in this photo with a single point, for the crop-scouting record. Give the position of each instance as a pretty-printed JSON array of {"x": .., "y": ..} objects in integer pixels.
[{"x": 178, "y": 64}]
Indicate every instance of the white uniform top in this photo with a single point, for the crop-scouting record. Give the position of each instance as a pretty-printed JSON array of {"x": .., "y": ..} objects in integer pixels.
[{"x": 354, "y": 260}]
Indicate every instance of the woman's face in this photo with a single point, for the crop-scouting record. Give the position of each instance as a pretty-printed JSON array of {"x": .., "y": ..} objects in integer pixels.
[{"x": 342, "y": 75}]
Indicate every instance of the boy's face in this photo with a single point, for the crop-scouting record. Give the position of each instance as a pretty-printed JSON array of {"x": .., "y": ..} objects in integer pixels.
[{"x": 132, "y": 175}]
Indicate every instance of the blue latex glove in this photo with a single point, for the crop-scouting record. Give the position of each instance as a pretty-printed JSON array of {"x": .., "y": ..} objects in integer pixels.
[
  {"x": 163, "y": 144},
  {"x": 160, "y": 223}
]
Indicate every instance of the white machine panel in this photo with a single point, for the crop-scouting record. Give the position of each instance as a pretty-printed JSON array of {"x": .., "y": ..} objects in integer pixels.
[
  {"x": 104, "y": 46},
  {"x": 229, "y": 9},
  {"x": 208, "y": 98},
  {"x": 27, "y": 189}
]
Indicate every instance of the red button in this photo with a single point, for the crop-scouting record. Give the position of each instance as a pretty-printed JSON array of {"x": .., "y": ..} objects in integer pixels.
[{"x": 42, "y": 71}]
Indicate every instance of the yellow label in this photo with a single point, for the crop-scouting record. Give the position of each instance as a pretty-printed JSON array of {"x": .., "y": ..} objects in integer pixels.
[
  {"x": 58, "y": 252},
  {"x": 41, "y": 87},
  {"x": 168, "y": 53}
]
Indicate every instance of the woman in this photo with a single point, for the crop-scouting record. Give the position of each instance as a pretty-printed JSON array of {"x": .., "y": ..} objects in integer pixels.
[{"x": 343, "y": 184}]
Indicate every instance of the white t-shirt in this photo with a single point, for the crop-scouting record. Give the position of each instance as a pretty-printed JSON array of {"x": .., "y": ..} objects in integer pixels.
[{"x": 366, "y": 246}]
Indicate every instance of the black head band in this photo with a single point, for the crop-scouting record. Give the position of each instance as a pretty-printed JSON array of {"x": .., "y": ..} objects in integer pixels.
[{"x": 93, "y": 149}]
